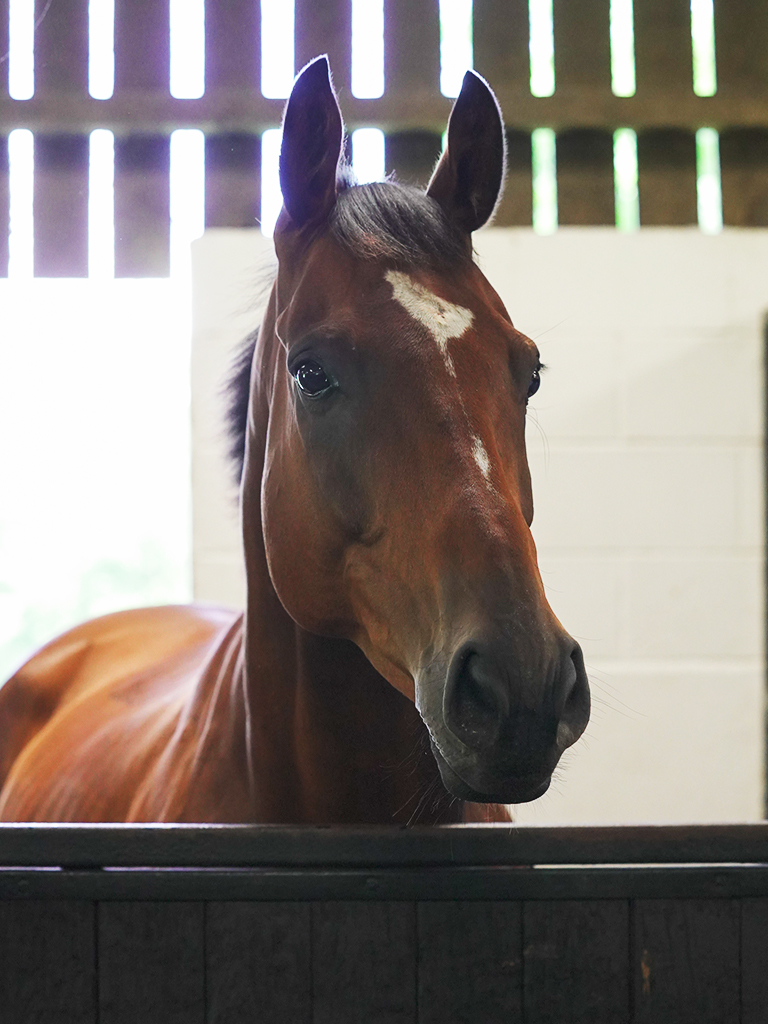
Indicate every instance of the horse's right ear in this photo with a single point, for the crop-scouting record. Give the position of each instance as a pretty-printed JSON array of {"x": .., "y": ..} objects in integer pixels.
[{"x": 311, "y": 147}]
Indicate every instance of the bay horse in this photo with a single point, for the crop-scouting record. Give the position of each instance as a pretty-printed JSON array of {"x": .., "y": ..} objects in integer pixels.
[{"x": 397, "y": 660}]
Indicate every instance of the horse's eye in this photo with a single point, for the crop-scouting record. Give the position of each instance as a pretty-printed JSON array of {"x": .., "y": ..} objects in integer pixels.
[
  {"x": 533, "y": 387},
  {"x": 312, "y": 379}
]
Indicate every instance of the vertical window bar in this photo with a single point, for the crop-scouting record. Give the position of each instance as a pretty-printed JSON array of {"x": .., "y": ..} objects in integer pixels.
[
  {"x": 277, "y": 48},
  {"x": 187, "y": 188},
  {"x": 703, "y": 43},
  {"x": 21, "y": 174},
  {"x": 456, "y": 54},
  {"x": 625, "y": 179},
  {"x": 708, "y": 191},
  {"x": 544, "y": 156},
  {"x": 368, "y": 48},
  {"x": 101, "y": 205},
  {"x": 21, "y": 49},
  {"x": 187, "y": 38},
  {"x": 271, "y": 197},
  {"x": 368, "y": 154},
  {"x": 622, "y": 48},
  {"x": 541, "y": 44},
  {"x": 101, "y": 48}
]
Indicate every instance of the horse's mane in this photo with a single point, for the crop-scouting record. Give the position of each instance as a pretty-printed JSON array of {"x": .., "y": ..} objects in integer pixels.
[
  {"x": 237, "y": 390},
  {"x": 383, "y": 220}
]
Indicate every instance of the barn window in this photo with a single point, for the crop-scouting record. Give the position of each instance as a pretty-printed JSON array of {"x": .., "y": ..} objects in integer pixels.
[
  {"x": 368, "y": 48},
  {"x": 21, "y": 50},
  {"x": 625, "y": 176},
  {"x": 455, "y": 44},
  {"x": 622, "y": 48},
  {"x": 101, "y": 48},
  {"x": 277, "y": 48},
  {"x": 709, "y": 195},
  {"x": 187, "y": 27},
  {"x": 703, "y": 41},
  {"x": 542, "y": 48}
]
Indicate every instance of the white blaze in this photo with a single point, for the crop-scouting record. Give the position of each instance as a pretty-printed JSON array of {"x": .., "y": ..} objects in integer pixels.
[
  {"x": 481, "y": 457},
  {"x": 444, "y": 320}
]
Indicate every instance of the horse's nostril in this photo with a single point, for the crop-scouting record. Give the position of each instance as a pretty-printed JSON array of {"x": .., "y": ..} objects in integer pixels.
[
  {"x": 476, "y": 700},
  {"x": 574, "y": 702}
]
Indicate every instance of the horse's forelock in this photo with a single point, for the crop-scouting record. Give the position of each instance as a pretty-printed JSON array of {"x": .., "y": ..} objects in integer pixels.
[{"x": 396, "y": 223}]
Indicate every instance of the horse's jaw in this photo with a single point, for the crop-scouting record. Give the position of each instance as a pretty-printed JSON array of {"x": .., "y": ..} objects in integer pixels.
[{"x": 519, "y": 790}]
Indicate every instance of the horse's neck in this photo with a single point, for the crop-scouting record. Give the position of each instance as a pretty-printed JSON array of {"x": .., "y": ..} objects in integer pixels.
[{"x": 331, "y": 740}]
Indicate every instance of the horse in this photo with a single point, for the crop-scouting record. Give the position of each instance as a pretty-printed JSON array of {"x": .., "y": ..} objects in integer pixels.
[{"x": 397, "y": 660}]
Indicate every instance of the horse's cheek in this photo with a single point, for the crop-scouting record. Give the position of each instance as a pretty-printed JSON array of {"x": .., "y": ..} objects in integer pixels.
[{"x": 300, "y": 542}]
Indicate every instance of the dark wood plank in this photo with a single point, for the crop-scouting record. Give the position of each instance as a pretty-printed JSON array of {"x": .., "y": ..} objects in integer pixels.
[
  {"x": 232, "y": 45},
  {"x": 258, "y": 955},
  {"x": 412, "y": 49},
  {"x": 576, "y": 962},
  {"x": 500, "y": 34},
  {"x": 364, "y": 963},
  {"x": 151, "y": 963},
  {"x": 5, "y": 199},
  {"x": 666, "y": 161},
  {"x": 582, "y": 44},
  {"x": 470, "y": 962},
  {"x": 686, "y": 961},
  {"x": 47, "y": 962},
  {"x": 754, "y": 961},
  {"x": 61, "y": 206},
  {"x": 142, "y": 45},
  {"x": 383, "y": 884},
  {"x": 585, "y": 187},
  {"x": 741, "y": 48},
  {"x": 142, "y": 206},
  {"x": 232, "y": 180},
  {"x": 516, "y": 206},
  {"x": 326, "y": 28},
  {"x": 744, "y": 176},
  {"x": 61, "y": 47},
  {"x": 412, "y": 155},
  {"x": 68, "y": 845},
  {"x": 663, "y": 54}
]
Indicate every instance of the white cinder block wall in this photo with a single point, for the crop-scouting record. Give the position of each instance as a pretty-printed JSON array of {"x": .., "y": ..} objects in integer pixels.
[{"x": 645, "y": 445}]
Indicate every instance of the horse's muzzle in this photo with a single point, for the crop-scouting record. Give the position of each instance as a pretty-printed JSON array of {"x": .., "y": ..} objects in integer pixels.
[{"x": 504, "y": 724}]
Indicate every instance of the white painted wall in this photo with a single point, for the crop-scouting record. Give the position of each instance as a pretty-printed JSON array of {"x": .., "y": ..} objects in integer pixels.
[{"x": 645, "y": 446}]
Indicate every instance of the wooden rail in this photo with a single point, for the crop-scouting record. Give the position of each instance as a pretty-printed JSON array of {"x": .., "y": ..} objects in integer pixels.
[{"x": 648, "y": 925}]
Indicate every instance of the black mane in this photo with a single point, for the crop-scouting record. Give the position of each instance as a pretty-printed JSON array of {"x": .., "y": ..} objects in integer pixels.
[
  {"x": 397, "y": 224},
  {"x": 237, "y": 390}
]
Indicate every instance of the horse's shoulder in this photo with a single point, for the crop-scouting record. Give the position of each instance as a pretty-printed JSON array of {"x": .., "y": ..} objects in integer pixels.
[
  {"x": 120, "y": 650},
  {"x": 115, "y": 645}
]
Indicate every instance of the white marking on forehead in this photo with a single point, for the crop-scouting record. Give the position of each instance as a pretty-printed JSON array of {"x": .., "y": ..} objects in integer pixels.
[
  {"x": 444, "y": 320},
  {"x": 481, "y": 457}
]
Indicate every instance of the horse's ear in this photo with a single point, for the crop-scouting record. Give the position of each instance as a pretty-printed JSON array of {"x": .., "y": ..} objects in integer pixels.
[
  {"x": 311, "y": 146},
  {"x": 469, "y": 177}
]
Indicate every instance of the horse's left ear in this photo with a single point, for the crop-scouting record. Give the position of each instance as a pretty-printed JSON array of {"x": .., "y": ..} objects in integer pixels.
[
  {"x": 469, "y": 177},
  {"x": 311, "y": 146}
]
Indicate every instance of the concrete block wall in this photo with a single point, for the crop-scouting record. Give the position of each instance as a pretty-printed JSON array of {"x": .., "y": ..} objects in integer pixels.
[{"x": 645, "y": 443}]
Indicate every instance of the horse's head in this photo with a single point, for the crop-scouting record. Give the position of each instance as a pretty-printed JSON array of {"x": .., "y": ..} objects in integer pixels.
[{"x": 395, "y": 496}]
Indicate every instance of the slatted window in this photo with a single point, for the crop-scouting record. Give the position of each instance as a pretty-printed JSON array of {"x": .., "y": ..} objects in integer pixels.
[{"x": 664, "y": 70}]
